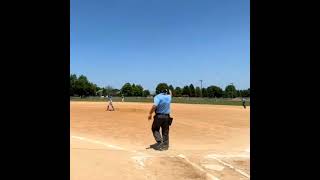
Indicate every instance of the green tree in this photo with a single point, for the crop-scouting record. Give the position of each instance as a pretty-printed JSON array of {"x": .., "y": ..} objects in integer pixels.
[
  {"x": 204, "y": 92},
  {"x": 81, "y": 86},
  {"x": 115, "y": 92},
  {"x": 245, "y": 93},
  {"x": 108, "y": 90},
  {"x": 126, "y": 89},
  {"x": 186, "y": 91},
  {"x": 100, "y": 92},
  {"x": 230, "y": 91},
  {"x": 178, "y": 92},
  {"x": 104, "y": 91},
  {"x": 192, "y": 91},
  {"x": 198, "y": 92},
  {"x": 172, "y": 90},
  {"x": 73, "y": 79},
  {"x": 239, "y": 93},
  {"x": 91, "y": 89},
  {"x": 133, "y": 89},
  {"x": 214, "y": 91},
  {"x": 146, "y": 93},
  {"x": 160, "y": 87},
  {"x": 137, "y": 90}
]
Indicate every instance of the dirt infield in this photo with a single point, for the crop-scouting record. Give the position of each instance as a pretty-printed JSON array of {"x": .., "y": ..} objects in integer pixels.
[{"x": 206, "y": 142}]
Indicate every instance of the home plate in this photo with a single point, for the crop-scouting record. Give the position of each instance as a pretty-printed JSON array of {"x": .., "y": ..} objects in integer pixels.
[{"x": 213, "y": 167}]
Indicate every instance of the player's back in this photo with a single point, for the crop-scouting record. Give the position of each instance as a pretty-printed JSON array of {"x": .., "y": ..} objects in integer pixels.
[{"x": 162, "y": 101}]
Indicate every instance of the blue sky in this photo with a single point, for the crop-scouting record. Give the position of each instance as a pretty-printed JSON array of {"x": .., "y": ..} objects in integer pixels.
[{"x": 151, "y": 41}]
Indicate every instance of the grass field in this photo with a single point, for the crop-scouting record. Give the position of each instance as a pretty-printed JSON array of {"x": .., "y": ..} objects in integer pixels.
[{"x": 184, "y": 100}]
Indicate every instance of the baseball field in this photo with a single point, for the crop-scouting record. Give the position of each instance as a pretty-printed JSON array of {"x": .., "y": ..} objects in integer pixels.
[{"x": 206, "y": 142}]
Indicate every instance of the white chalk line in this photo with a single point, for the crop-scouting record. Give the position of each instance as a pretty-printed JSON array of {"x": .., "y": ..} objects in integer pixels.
[
  {"x": 141, "y": 158},
  {"x": 98, "y": 142},
  {"x": 230, "y": 166},
  {"x": 198, "y": 167},
  {"x": 228, "y": 156}
]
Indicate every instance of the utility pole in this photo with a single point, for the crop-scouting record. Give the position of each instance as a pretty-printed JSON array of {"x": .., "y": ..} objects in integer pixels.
[{"x": 201, "y": 87}]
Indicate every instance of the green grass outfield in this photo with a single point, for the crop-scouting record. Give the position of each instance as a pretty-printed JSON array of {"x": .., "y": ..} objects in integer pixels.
[{"x": 185, "y": 100}]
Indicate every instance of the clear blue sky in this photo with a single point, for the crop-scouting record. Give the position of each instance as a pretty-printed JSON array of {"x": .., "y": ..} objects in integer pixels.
[{"x": 151, "y": 41}]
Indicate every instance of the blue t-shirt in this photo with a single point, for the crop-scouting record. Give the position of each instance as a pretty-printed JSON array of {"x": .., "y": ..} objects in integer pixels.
[{"x": 162, "y": 101}]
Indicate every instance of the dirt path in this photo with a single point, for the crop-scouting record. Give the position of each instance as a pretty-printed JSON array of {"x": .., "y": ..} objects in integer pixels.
[{"x": 206, "y": 142}]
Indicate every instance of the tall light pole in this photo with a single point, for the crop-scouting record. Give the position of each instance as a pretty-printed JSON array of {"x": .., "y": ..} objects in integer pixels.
[{"x": 201, "y": 87}]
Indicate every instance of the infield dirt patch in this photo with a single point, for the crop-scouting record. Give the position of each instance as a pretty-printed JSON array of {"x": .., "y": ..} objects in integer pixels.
[{"x": 112, "y": 144}]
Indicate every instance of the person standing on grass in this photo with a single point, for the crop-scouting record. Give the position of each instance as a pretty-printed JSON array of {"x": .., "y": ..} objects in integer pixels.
[
  {"x": 244, "y": 102},
  {"x": 110, "y": 103},
  {"x": 122, "y": 98},
  {"x": 162, "y": 119}
]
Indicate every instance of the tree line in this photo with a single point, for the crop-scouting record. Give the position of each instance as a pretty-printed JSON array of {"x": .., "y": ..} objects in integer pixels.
[
  {"x": 211, "y": 91},
  {"x": 81, "y": 86}
]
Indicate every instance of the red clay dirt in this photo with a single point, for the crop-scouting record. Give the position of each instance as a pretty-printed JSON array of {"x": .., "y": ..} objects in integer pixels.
[{"x": 206, "y": 142}]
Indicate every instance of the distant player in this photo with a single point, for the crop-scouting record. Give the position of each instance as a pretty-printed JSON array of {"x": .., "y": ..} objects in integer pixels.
[
  {"x": 110, "y": 103},
  {"x": 122, "y": 98},
  {"x": 244, "y": 102}
]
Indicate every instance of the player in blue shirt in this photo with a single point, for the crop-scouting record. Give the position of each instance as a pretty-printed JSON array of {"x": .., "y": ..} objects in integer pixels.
[{"x": 162, "y": 119}]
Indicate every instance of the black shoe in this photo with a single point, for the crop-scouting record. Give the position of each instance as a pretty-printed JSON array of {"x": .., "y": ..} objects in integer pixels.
[
  {"x": 154, "y": 146},
  {"x": 162, "y": 147}
]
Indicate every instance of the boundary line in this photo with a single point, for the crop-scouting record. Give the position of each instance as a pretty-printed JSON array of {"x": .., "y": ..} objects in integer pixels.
[{"x": 140, "y": 159}]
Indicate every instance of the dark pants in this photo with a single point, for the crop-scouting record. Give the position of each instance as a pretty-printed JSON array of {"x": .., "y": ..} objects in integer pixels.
[
  {"x": 163, "y": 122},
  {"x": 244, "y": 105},
  {"x": 110, "y": 104}
]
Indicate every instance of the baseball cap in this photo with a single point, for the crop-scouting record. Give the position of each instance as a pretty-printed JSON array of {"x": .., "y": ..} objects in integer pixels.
[{"x": 164, "y": 91}]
